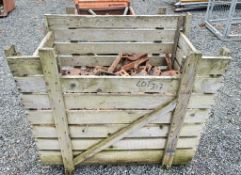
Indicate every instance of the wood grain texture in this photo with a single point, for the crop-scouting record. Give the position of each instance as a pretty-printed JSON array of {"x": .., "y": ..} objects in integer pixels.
[
  {"x": 116, "y": 22},
  {"x": 24, "y": 65},
  {"x": 183, "y": 97},
  {"x": 88, "y": 117},
  {"x": 28, "y": 65},
  {"x": 100, "y": 60},
  {"x": 112, "y": 47},
  {"x": 121, "y": 157},
  {"x": 114, "y": 101},
  {"x": 125, "y": 131},
  {"x": 50, "y": 70},
  {"x": 114, "y": 84},
  {"x": 104, "y": 130},
  {"x": 97, "y": 35},
  {"x": 125, "y": 144}
]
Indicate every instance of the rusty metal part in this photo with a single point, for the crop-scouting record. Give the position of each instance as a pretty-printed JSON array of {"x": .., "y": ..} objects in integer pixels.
[
  {"x": 113, "y": 66},
  {"x": 148, "y": 67},
  {"x": 6, "y": 6},
  {"x": 156, "y": 71},
  {"x": 169, "y": 73},
  {"x": 134, "y": 64},
  {"x": 104, "y": 7},
  {"x": 101, "y": 4},
  {"x": 168, "y": 60},
  {"x": 122, "y": 73}
]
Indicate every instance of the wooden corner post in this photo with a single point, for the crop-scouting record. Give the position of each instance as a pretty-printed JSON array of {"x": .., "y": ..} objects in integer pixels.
[
  {"x": 51, "y": 76},
  {"x": 183, "y": 96},
  {"x": 187, "y": 23}
]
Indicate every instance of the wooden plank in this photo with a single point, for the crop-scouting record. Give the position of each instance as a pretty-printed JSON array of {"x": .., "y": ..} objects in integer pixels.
[
  {"x": 116, "y": 22},
  {"x": 114, "y": 101},
  {"x": 176, "y": 38},
  {"x": 207, "y": 85},
  {"x": 24, "y": 65},
  {"x": 125, "y": 144},
  {"x": 104, "y": 130},
  {"x": 11, "y": 51},
  {"x": 121, "y": 157},
  {"x": 213, "y": 65},
  {"x": 29, "y": 65},
  {"x": 141, "y": 35},
  {"x": 33, "y": 84},
  {"x": 112, "y": 47},
  {"x": 70, "y": 10},
  {"x": 187, "y": 23},
  {"x": 183, "y": 97},
  {"x": 44, "y": 117},
  {"x": 125, "y": 131},
  {"x": 118, "y": 84},
  {"x": 47, "y": 41},
  {"x": 180, "y": 56},
  {"x": 50, "y": 70},
  {"x": 185, "y": 44},
  {"x": 105, "y": 60}
]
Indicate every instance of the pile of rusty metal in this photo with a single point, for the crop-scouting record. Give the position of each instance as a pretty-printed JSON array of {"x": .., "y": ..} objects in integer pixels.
[
  {"x": 126, "y": 64},
  {"x": 104, "y": 7}
]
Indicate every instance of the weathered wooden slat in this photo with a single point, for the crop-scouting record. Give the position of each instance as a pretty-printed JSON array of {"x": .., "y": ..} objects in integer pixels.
[
  {"x": 121, "y": 157},
  {"x": 25, "y": 65},
  {"x": 50, "y": 70},
  {"x": 187, "y": 23},
  {"x": 185, "y": 45},
  {"x": 114, "y": 101},
  {"x": 29, "y": 65},
  {"x": 162, "y": 110},
  {"x": 104, "y": 130},
  {"x": 112, "y": 116},
  {"x": 35, "y": 84},
  {"x": 126, "y": 22},
  {"x": 112, "y": 47},
  {"x": 100, "y": 60},
  {"x": 125, "y": 144},
  {"x": 118, "y": 84},
  {"x": 183, "y": 97},
  {"x": 180, "y": 56},
  {"x": 216, "y": 65},
  {"x": 142, "y": 35}
]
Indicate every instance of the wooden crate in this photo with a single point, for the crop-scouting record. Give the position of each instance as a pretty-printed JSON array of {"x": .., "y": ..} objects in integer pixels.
[{"x": 112, "y": 119}]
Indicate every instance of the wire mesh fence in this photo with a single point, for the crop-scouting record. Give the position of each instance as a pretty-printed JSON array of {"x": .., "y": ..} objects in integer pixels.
[{"x": 223, "y": 18}]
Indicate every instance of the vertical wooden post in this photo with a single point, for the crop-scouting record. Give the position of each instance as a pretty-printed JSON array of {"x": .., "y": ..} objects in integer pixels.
[
  {"x": 176, "y": 38},
  {"x": 51, "y": 75},
  {"x": 183, "y": 96},
  {"x": 187, "y": 23},
  {"x": 224, "y": 52}
]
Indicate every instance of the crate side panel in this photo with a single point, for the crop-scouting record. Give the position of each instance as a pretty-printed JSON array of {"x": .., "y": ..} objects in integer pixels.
[
  {"x": 114, "y": 101},
  {"x": 117, "y": 35},
  {"x": 42, "y": 117},
  {"x": 122, "y": 157},
  {"x": 126, "y": 144},
  {"x": 104, "y": 130},
  {"x": 116, "y": 22},
  {"x": 112, "y": 47}
]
